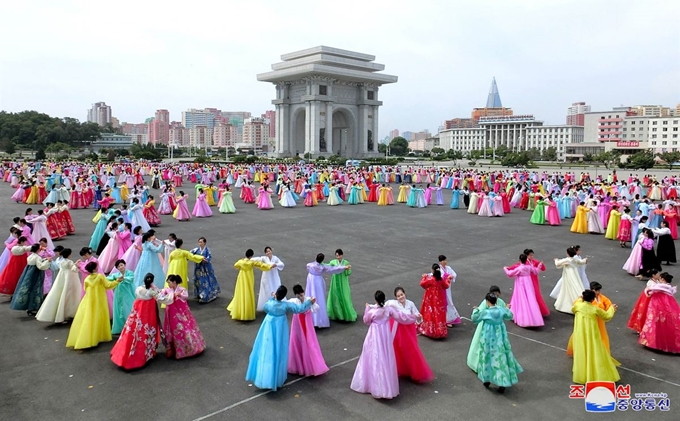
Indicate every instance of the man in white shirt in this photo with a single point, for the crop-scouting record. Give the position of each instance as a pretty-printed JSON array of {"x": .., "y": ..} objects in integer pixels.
[{"x": 452, "y": 316}]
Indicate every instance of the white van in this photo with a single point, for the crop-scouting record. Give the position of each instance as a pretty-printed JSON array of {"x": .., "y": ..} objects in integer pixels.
[{"x": 352, "y": 163}]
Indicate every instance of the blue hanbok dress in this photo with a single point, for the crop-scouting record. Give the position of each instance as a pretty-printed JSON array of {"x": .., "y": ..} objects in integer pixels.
[
  {"x": 97, "y": 198},
  {"x": 412, "y": 200},
  {"x": 353, "y": 198},
  {"x": 149, "y": 262},
  {"x": 123, "y": 299},
  {"x": 268, "y": 364},
  {"x": 100, "y": 229},
  {"x": 115, "y": 195},
  {"x": 326, "y": 190},
  {"x": 206, "y": 287},
  {"x": 455, "y": 199}
]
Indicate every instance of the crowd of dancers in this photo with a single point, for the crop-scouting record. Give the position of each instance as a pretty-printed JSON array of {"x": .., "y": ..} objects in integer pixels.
[{"x": 125, "y": 273}]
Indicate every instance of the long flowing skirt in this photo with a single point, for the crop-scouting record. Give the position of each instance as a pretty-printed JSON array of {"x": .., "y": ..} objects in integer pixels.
[
  {"x": 140, "y": 336},
  {"x": 524, "y": 306},
  {"x": 638, "y": 316},
  {"x": 497, "y": 363},
  {"x": 376, "y": 371},
  {"x": 304, "y": 353},
  {"x": 181, "y": 331},
  {"x": 433, "y": 310},
  {"x": 63, "y": 299},
  {"x": 10, "y": 275},
  {"x": 661, "y": 329},
  {"x": 29, "y": 292},
  {"x": 268, "y": 363},
  {"x": 632, "y": 265},
  {"x": 316, "y": 287},
  {"x": 339, "y": 303},
  {"x": 410, "y": 359},
  {"x": 206, "y": 287}
]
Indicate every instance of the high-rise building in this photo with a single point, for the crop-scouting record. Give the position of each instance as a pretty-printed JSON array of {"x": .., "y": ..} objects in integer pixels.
[
  {"x": 225, "y": 135},
  {"x": 200, "y": 137},
  {"x": 193, "y": 117},
  {"x": 178, "y": 135},
  {"x": 407, "y": 135},
  {"x": 256, "y": 134},
  {"x": 270, "y": 118},
  {"x": 677, "y": 110},
  {"x": 652, "y": 110},
  {"x": 394, "y": 133},
  {"x": 159, "y": 128},
  {"x": 100, "y": 113},
  {"x": 494, "y": 107},
  {"x": 132, "y": 128},
  {"x": 576, "y": 113}
]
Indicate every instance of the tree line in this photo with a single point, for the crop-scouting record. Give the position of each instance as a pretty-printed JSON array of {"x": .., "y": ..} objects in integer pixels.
[{"x": 36, "y": 131}]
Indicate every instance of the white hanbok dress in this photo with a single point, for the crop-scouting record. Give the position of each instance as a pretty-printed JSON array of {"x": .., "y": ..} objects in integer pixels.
[{"x": 270, "y": 280}]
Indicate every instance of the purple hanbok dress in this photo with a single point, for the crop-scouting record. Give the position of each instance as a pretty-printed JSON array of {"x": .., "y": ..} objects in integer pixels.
[
  {"x": 201, "y": 208},
  {"x": 316, "y": 288},
  {"x": 376, "y": 371}
]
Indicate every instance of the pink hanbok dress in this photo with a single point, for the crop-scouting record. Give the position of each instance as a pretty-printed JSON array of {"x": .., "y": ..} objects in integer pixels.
[
  {"x": 125, "y": 242},
  {"x": 133, "y": 253},
  {"x": 553, "y": 217},
  {"x": 264, "y": 200},
  {"x": 376, "y": 371},
  {"x": 525, "y": 308},
  {"x": 182, "y": 334},
  {"x": 111, "y": 252},
  {"x": 634, "y": 262},
  {"x": 47, "y": 283},
  {"x": 182, "y": 210},
  {"x": 304, "y": 353},
  {"x": 201, "y": 208}
]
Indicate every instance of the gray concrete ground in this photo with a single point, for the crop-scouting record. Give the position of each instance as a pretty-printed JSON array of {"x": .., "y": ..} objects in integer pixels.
[{"x": 387, "y": 246}]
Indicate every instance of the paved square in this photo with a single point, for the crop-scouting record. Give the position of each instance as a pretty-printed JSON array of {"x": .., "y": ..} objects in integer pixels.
[{"x": 387, "y": 246}]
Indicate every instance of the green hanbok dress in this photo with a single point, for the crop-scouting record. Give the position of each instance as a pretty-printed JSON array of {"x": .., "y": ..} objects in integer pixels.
[
  {"x": 473, "y": 353},
  {"x": 123, "y": 299},
  {"x": 538, "y": 217},
  {"x": 339, "y": 302},
  {"x": 496, "y": 362}
]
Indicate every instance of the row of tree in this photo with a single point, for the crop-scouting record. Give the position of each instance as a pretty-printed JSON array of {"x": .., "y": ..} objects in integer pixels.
[{"x": 36, "y": 131}]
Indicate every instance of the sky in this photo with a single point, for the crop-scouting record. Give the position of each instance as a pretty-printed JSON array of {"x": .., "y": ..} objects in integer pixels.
[{"x": 59, "y": 57}]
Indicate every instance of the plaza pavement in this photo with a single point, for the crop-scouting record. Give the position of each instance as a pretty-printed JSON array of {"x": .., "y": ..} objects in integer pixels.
[{"x": 40, "y": 379}]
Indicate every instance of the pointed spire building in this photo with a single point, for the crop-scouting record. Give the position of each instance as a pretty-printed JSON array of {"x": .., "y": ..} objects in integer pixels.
[{"x": 494, "y": 99}]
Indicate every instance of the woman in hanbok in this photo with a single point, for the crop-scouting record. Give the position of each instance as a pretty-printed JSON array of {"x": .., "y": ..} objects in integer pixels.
[
  {"x": 150, "y": 213},
  {"x": 9, "y": 277},
  {"x": 179, "y": 262},
  {"x": 268, "y": 362},
  {"x": 206, "y": 287},
  {"x": 45, "y": 252},
  {"x": 592, "y": 361},
  {"x": 124, "y": 297},
  {"x": 201, "y": 208},
  {"x": 304, "y": 353},
  {"x": 661, "y": 329},
  {"x": 40, "y": 228},
  {"x": 339, "y": 303},
  {"x": 624, "y": 234},
  {"x": 29, "y": 292},
  {"x": 434, "y": 303},
  {"x": 410, "y": 360},
  {"x": 149, "y": 261},
  {"x": 571, "y": 286},
  {"x": 594, "y": 221},
  {"x": 264, "y": 199},
  {"x": 526, "y": 311},
  {"x": 580, "y": 224},
  {"x": 242, "y": 306},
  {"x": 181, "y": 212},
  {"x": 552, "y": 215},
  {"x": 270, "y": 280},
  {"x": 316, "y": 286},
  {"x": 141, "y": 333},
  {"x": 91, "y": 324},
  {"x": 648, "y": 259},
  {"x": 111, "y": 252},
  {"x": 538, "y": 216},
  {"x": 287, "y": 200},
  {"x": 671, "y": 217},
  {"x": 226, "y": 204},
  {"x": 632, "y": 265},
  {"x": 485, "y": 206},
  {"x": 495, "y": 361},
  {"x": 134, "y": 252},
  {"x": 376, "y": 371},
  {"x": 665, "y": 251},
  {"x": 455, "y": 198},
  {"x": 183, "y": 337},
  {"x": 613, "y": 223},
  {"x": 473, "y": 351},
  {"x": 63, "y": 299},
  {"x": 165, "y": 207},
  {"x": 137, "y": 217}
]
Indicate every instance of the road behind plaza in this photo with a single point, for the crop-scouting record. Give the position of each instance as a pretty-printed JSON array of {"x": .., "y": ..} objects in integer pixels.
[{"x": 387, "y": 247}]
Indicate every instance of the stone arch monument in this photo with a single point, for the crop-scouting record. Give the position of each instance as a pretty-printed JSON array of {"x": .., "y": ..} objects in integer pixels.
[{"x": 327, "y": 102}]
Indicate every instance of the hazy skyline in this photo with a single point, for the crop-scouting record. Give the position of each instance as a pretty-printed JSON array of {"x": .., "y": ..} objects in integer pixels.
[{"x": 61, "y": 57}]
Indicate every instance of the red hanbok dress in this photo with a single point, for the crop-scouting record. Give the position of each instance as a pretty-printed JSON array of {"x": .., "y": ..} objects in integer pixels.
[
  {"x": 639, "y": 314},
  {"x": 410, "y": 360},
  {"x": 9, "y": 277},
  {"x": 141, "y": 334},
  {"x": 150, "y": 213},
  {"x": 661, "y": 329},
  {"x": 434, "y": 305}
]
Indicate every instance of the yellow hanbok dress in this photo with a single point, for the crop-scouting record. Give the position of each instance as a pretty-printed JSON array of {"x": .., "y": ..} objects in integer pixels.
[
  {"x": 403, "y": 193},
  {"x": 124, "y": 192},
  {"x": 592, "y": 361},
  {"x": 580, "y": 224},
  {"x": 209, "y": 195},
  {"x": 613, "y": 225},
  {"x": 382, "y": 197},
  {"x": 179, "y": 265},
  {"x": 91, "y": 324},
  {"x": 33, "y": 197},
  {"x": 242, "y": 306},
  {"x": 604, "y": 303}
]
